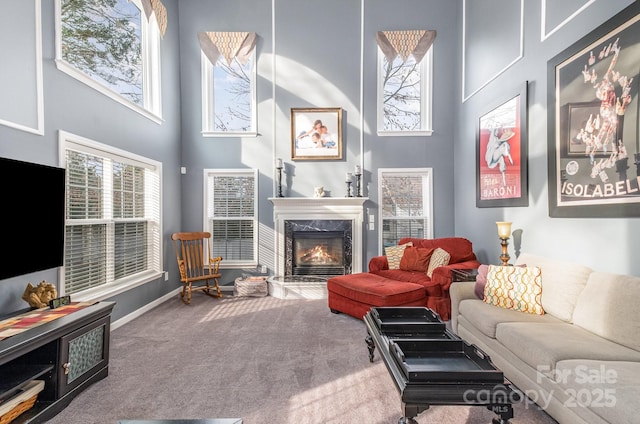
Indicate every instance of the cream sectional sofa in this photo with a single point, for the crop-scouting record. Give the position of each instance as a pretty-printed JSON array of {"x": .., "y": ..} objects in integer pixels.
[{"x": 580, "y": 361}]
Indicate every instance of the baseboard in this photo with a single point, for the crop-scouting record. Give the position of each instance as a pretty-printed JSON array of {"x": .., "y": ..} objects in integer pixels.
[{"x": 146, "y": 308}]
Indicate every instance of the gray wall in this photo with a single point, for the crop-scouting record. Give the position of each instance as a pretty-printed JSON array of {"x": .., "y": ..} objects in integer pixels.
[
  {"x": 74, "y": 107},
  {"x": 313, "y": 59},
  {"x": 605, "y": 244}
]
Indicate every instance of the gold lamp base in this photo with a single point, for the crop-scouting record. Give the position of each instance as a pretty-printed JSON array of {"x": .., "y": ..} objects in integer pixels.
[{"x": 504, "y": 256}]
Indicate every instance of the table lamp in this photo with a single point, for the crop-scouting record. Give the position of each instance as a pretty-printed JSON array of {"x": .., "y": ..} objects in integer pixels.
[{"x": 504, "y": 232}]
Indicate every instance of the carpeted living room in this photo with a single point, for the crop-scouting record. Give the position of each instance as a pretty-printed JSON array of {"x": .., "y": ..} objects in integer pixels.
[{"x": 467, "y": 159}]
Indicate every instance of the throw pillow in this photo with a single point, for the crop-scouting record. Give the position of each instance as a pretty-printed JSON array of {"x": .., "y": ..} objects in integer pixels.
[
  {"x": 481, "y": 280},
  {"x": 439, "y": 257},
  {"x": 416, "y": 259},
  {"x": 517, "y": 288},
  {"x": 394, "y": 254}
]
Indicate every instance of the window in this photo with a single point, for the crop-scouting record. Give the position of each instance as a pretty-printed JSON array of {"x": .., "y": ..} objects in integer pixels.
[
  {"x": 113, "y": 234},
  {"x": 405, "y": 204},
  {"x": 405, "y": 83},
  {"x": 231, "y": 215},
  {"x": 228, "y": 84},
  {"x": 111, "y": 46}
]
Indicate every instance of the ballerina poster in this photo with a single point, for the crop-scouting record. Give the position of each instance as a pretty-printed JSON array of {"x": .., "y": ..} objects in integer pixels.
[
  {"x": 502, "y": 155},
  {"x": 593, "y": 145}
]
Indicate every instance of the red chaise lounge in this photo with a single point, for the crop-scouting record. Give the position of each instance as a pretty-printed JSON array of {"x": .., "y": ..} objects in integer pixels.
[{"x": 355, "y": 294}]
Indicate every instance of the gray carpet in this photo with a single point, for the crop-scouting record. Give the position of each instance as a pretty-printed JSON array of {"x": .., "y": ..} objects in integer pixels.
[{"x": 264, "y": 360}]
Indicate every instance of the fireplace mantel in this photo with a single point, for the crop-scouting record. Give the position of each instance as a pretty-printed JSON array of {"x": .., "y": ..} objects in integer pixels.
[{"x": 318, "y": 208}]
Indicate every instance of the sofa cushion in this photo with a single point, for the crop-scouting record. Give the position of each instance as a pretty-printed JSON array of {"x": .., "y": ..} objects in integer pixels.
[
  {"x": 608, "y": 388},
  {"x": 439, "y": 257},
  {"x": 394, "y": 254},
  {"x": 416, "y": 259},
  {"x": 459, "y": 248},
  {"x": 542, "y": 345},
  {"x": 608, "y": 306},
  {"x": 512, "y": 287},
  {"x": 375, "y": 290},
  {"x": 486, "y": 317},
  {"x": 562, "y": 283},
  {"x": 398, "y": 275}
]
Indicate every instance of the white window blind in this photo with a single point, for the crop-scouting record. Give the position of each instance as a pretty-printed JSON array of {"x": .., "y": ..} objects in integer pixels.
[
  {"x": 231, "y": 216},
  {"x": 405, "y": 204},
  {"x": 113, "y": 217}
]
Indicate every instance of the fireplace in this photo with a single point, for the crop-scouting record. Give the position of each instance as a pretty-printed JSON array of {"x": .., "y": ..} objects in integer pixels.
[
  {"x": 322, "y": 219},
  {"x": 318, "y": 247}
]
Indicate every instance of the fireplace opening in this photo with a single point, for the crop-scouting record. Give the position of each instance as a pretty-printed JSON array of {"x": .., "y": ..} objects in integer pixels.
[
  {"x": 318, "y": 247},
  {"x": 318, "y": 253}
]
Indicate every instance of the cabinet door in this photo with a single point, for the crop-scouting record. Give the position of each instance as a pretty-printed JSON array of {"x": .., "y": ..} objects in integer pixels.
[{"x": 82, "y": 354}]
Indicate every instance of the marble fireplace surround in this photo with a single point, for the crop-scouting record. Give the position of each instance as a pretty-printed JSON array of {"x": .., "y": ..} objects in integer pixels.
[{"x": 318, "y": 209}]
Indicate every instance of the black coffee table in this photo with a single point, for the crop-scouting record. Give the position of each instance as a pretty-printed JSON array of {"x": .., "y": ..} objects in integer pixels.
[{"x": 430, "y": 365}]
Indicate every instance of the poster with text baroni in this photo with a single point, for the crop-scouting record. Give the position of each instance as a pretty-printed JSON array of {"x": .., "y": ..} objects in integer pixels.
[{"x": 501, "y": 154}]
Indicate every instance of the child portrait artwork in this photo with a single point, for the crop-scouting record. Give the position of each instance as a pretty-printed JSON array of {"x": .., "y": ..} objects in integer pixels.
[{"x": 316, "y": 133}]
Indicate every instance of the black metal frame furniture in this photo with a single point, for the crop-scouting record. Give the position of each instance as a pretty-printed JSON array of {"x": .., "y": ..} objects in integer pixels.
[{"x": 432, "y": 366}]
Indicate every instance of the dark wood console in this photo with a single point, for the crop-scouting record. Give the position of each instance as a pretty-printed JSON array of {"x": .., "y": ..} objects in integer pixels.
[{"x": 68, "y": 354}]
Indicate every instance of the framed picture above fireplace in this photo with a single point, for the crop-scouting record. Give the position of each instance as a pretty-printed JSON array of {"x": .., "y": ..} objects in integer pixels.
[{"x": 316, "y": 133}]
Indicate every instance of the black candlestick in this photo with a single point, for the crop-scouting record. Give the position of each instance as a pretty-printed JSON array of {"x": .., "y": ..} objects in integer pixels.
[
  {"x": 348, "y": 189},
  {"x": 279, "y": 168},
  {"x": 358, "y": 185}
]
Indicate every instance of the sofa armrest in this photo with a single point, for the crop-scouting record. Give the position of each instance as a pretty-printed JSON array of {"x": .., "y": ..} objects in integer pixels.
[
  {"x": 443, "y": 276},
  {"x": 460, "y": 291},
  {"x": 378, "y": 263}
]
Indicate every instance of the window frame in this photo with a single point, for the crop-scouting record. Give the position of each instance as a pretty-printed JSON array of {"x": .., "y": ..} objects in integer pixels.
[
  {"x": 151, "y": 67},
  {"x": 427, "y": 175},
  {"x": 252, "y": 172},
  {"x": 208, "y": 99},
  {"x": 426, "y": 97},
  {"x": 69, "y": 141}
]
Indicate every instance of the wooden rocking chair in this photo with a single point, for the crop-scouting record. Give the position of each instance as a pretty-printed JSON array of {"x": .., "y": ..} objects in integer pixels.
[{"x": 193, "y": 252}]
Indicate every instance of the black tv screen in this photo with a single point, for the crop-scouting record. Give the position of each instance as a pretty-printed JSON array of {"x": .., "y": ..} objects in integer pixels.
[{"x": 33, "y": 199}]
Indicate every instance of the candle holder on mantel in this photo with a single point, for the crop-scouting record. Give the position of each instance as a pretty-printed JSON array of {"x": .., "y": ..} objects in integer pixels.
[
  {"x": 349, "y": 181},
  {"x": 358, "y": 175},
  {"x": 279, "y": 167}
]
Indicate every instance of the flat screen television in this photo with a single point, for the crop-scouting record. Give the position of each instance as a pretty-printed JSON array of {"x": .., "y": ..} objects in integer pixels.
[{"x": 33, "y": 202}]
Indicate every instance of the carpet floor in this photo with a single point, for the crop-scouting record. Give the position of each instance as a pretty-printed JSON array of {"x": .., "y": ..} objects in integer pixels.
[{"x": 262, "y": 359}]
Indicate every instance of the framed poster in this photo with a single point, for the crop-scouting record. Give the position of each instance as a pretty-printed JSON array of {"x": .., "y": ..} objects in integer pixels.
[
  {"x": 501, "y": 154},
  {"x": 593, "y": 148},
  {"x": 316, "y": 133}
]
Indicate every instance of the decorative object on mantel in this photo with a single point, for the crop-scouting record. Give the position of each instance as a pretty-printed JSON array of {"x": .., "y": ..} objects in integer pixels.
[
  {"x": 349, "y": 181},
  {"x": 39, "y": 296},
  {"x": 279, "y": 167},
  {"x": 504, "y": 232},
  {"x": 318, "y": 191},
  {"x": 358, "y": 175}
]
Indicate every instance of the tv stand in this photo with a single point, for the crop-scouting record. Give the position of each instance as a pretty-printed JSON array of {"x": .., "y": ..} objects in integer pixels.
[{"x": 68, "y": 354}]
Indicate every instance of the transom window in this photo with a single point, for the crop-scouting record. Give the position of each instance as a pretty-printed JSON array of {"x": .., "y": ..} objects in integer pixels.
[
  {"x": 111, "y": 46},
  {"x": 113, "y": 234},
  {"x": 232, "y": 215},
  {"x": 406, "y": 204},
  {"x": 228, "y": 67},
  {"x": 405, "y": 74}
]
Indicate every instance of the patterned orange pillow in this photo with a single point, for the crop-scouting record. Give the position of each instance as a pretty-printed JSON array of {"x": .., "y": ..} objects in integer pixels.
[
  {"x": 439, "y": 257},
  {"x": 394, "y": 254},
  {"x": 517, "y": 288}
]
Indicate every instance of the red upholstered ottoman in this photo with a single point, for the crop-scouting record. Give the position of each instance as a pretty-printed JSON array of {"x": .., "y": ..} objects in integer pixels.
[{"x": 355, "y": 294}]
